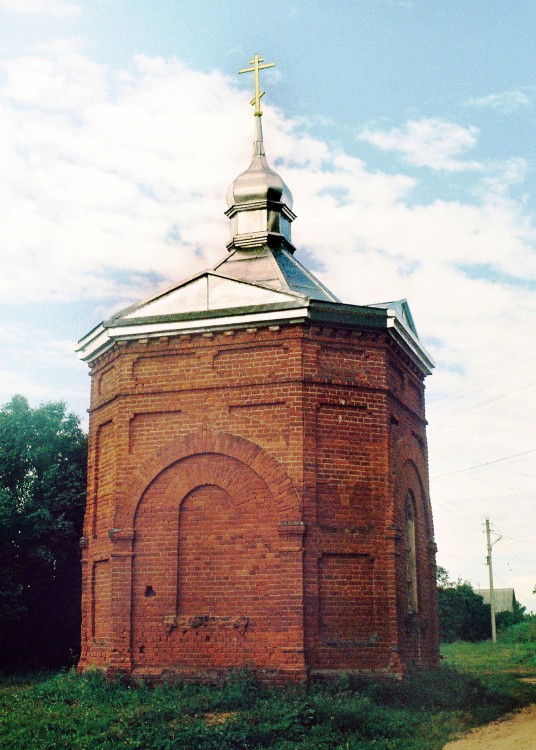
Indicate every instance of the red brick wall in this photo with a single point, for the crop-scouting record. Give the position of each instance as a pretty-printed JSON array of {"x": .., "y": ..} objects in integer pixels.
[{"x": 246, "y": 505}]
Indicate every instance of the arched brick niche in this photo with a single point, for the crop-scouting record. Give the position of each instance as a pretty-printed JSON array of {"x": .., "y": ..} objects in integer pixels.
[
  {"x": 213, "y": 531},
  {"x": 409, "y": 480},
  {"x": 287, "y": 503},
  {"x": 416, "y": 581}
]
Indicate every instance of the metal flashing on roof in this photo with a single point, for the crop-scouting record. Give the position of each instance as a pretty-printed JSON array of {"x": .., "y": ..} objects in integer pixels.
[
  {"x": 117, "y": 328},
  {"x": 401, "y": 309},
  {"x": 105, "y": 336},
  {"x": 409, "y": 342}
]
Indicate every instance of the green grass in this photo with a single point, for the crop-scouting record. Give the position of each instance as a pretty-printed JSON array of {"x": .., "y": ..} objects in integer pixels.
[
  {"x": 504, "y": 657},
  {"x": 68, "y": 711}
]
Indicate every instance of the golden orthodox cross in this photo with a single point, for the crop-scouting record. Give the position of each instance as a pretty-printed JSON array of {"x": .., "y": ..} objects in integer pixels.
[{"x": 256, "y": 101}]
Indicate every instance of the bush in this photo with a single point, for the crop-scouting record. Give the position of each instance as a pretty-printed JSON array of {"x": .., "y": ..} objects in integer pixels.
[
  {"x": 522, "y": 632},
  {"x": 463, "y": 616},
  {"x": 505, "y": 620}
]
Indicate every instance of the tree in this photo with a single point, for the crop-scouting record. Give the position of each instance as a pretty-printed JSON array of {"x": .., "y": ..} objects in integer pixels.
[
  {"x": 506, "y": 619},
  {"x": 42, "y": 498},
  {"x": 462, "y": 613}
]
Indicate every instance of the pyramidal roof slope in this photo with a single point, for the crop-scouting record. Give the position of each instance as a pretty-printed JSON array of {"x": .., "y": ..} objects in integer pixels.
[{"x": 242, "y": 279}]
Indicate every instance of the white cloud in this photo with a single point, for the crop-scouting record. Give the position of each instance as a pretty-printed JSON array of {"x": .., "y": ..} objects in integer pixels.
[
  {"x": 101, "y": 169},
  {"x": 54, "y": 374},
  {"x": 429, "y": 143},
  {"x": 113, "y": 182},
  {"x": 506, "y": 101},
  {"x": 502, "y": 176},
  {"x": 41, "y": 7}
]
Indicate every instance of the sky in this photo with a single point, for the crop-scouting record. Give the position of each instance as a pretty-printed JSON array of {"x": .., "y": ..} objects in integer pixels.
[{"x": 405, "y": 130}]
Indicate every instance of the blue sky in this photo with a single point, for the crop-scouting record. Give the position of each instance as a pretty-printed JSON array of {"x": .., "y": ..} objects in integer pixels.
[{"x": 405, "y": 130}]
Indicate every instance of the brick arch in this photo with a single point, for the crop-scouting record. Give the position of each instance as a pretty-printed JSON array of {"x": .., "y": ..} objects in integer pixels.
[
  {"x": 206, "y": 442},
  {"x": 410, "y": 471},
  {"x": 206, "y": 469},
  {"x": 419, "y": 635},
  {"x": 409, "y": 478}
]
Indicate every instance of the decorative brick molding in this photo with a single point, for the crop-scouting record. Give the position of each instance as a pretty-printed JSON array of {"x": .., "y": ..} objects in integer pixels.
[{"x": 212, "y": 442}]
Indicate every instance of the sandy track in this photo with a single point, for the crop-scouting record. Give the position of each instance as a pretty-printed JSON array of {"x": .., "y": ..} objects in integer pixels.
[{"x": 515, "y": 732}]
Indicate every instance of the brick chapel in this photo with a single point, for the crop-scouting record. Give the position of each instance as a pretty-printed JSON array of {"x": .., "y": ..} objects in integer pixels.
[{"x": 258, "y": 476}]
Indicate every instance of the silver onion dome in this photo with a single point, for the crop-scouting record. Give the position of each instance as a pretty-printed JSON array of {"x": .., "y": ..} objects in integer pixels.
[
  {"x": 260, "y": 203},
  {"x": 259, "y": 181}
]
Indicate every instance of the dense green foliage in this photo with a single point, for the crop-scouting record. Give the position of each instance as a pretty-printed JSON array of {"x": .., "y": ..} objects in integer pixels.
[
  {"x": 507, "y": 619},
  {"x": 463, "y": 616},
  {"x": 42, "y": 497},
  {"x": 521, "y": 632},
  {"x": 78, "y": 712}
]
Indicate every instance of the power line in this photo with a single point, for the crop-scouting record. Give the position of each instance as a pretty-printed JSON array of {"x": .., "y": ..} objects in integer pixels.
[
  {"x": 496, "y": 401},
  {"x": 522, "y": 541},
  {"x": 486, "y": 463},
  {"x": 509, "y": 538},
  {"x": 495, "y": 484},
  {"x": 451, "y": 455},
  {"x": 460, "y": 559},
  {"x": 474, "y": 519},
  {"x": 505, "y": 583},
  {"x": 490, "y": 380},
  {"x": 513, "y": 551},
  {"x": 454, "y": 512}
]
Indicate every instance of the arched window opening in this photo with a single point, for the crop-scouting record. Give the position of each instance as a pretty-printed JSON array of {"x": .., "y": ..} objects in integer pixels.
[{"x": 411, "y": 554}]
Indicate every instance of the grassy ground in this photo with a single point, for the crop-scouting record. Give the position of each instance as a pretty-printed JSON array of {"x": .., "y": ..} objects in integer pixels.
[
  {"x": 492, "y": 658},
  {"x": 71, "y": 712}
]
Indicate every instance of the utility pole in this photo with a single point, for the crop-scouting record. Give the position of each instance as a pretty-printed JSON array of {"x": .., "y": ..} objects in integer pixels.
[{"x": 491, "y": 592}]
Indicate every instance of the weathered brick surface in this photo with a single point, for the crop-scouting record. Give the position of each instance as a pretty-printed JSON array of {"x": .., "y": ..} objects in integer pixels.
[{"x": 246, "y": 505}]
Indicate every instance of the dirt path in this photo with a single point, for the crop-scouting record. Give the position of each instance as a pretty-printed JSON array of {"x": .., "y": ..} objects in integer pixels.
[{"x": 516, "y": 732}]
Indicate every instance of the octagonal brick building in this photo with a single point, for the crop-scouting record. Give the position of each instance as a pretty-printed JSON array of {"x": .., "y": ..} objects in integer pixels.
[{"x": 258, "y": 476}]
